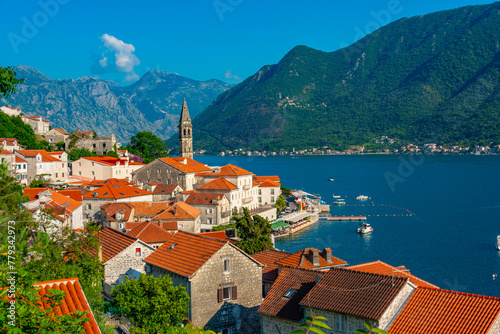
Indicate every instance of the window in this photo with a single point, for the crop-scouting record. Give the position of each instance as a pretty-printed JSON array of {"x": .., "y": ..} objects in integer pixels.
[
  {"x": 92, "y": 164},
  {"x": 178, "y": 178},
  {"x": 260, "y": 199},
  {"x": 57, "y": 175},
  {"x": 138, "y": 251},
  {"x": 289, "y": 293},
  {"x": 62, "y": 165},
  {"x": 158, "y": 171},
  {"x": 79, "y": 164},
  {"x": 62, "y": 174},
  {"x": 93, "y": 173},
  {"x": 120, "y": 226},
  {"x": 272, "y": 199},
  {"x": 226, "y": 331},
  {"x": 210, "y": 210},
  {"x": 272, "y": 191},
  {"x": 340, "y": 321},
  {"x": 260, "y": 191},
  {"x": 226, "y": 265},
  {"x": 148, "y": 171},
  {"x": 89, "y": 206},
  {"x": 226, "y": 293}
]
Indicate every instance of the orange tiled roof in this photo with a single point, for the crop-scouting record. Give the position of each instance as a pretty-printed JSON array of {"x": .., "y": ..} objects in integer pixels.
[
  {"x": 165, "y": 188},
  {"x": 57, "y": 199},
  {"x": 260, "y": 179},
  {"x": 132, "y": 225},
  {"x": 46, "y": 157},
  {"x": 5, "y": 152},
  {"x": 304, "y": 259},
  {"x": 275, "y": 304},
  {"x": 32, "y": 193},
  {"x": 72, "y": 301},
  {"x": 218, "y": 184},
  {"x": 113, "y": 207},
  {"x": 150, "y": 208},
  {"x": 228, "y": 170},
  {"x": 433, "y": 311},
  {"x": 62, "y": 131},
  {"x": 379, "y": 267},
  {"x": 185, "y": 253},
  {"x": 179, "y": 211},
  {"x": 111, "y": 161},
  {"x": 110, "y": 191},
  {"x": 19, "y": 159},
  {"x": 98, "y": 183},
  {"x": 75, "y": 194},
  {"x": 150, "y": 233},
  {"x": 9, "y": 141},
  {"x": 269, "y": 184},
  {"x": 186, "y": 165},
  {"x": 113, "y": 242},
  {"x": 354, "y": 293},
  {"x": 269, "y": 258},
  {"x": 37, "y": 118},
  {"x": 169, "y": 226},
  {"x": 204, "y": 198}
]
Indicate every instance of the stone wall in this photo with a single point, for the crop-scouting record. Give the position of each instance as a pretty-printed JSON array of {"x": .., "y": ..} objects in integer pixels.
[
  {"x": 352, "y": 323},
  {"x": 495, "y": 329},
  {"x": 272, "y": 325},
  {"x": 396, "y": 306},
  {"x": 158, "y": 171},
  {"x": 127, "y": 263},
  {"x": 99, "y": 145}
]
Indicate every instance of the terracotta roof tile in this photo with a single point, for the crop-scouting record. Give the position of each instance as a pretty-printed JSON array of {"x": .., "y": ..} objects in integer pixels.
[
  {"x": 150, "y": 209},
  {"x": 113, "y": 181},
  {"x": 269, "y": 259},
  {"x": 179, "y": 211},
  {"x": 111, "y": 161},
  {"x": 260, "y": 179},
  {"x": 9, "y": 141},
  {"x": 304, "y": 259},
  {"x": 75, "y": 194},
  {"x": 32, "y": 193},
  {"x": 269, "y": 184},
  {"x": 186, "y": 165},
  {"x": 169, "y": 226},
  {"x": 113, "y": 242},
  {"x": 58, "y": 199},
  {"x": 218, "y": 184},
  {"x": 185, "y": 253},
  {"x": 275, "y": 304},
  {"x": 204, "y": 198},
  {"x": 433, "y": 311},
  {"x": 20, "y": 160},
  {"x": 5, "y": 152},
  {"x": 165, "y": 188},
  {"x": 113, "y": 208},
  {"x": 379, "y": 267},
  {"x": 46, "y": 157},
  {"x": 354, "y": 293},
  {"x": 110, "y": 191},
  {"x": 73, "y": 300},
  {"x": 150, "y": 233},
  {"x": 221, "y": 235},
  {"x": 228, "y": 170},
  {"x": 62, "y": 131}
]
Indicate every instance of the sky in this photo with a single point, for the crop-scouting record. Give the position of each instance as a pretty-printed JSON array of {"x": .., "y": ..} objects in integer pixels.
[{"x": 227, "y": 40}]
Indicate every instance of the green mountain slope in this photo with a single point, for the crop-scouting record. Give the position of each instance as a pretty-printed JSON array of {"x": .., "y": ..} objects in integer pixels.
[{"x": 431, "y": 78}]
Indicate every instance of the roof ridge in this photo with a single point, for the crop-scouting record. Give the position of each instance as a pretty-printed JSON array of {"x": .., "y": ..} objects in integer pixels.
[
  {"x": 202, "y": 236},
  {"x": 460, "y": 293},
  {"x": 274, "y": 250},
  {"x": 304, "y": 269},
  {"x": 368, "y": 273},
  {"x": 115, "y": 231}
]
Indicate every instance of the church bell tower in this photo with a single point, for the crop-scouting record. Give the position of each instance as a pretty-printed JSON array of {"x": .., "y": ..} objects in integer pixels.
[{"x": 185, "y": 133}]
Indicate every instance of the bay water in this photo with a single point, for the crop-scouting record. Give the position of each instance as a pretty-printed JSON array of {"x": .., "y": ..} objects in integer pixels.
[{"x": 437, "y": 215}]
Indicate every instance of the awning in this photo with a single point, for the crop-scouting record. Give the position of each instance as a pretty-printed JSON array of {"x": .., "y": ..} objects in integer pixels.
[
  {"x": 277, "y": 225},
  {"x": 295, "y": 217}
]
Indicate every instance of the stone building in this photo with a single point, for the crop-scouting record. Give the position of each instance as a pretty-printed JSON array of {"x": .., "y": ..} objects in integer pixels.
[
  {"x": 346, "y": 298},
  {"x": 179, "y": 171},
  {"x": 223, "y": 282},
  {"x": 99, "y": 145},
  {"x": 163, "y": 192},
  {"x": 215, "y": 209},
  {"x": 117, "y": 214},
  {"x": 185, "y": 133},
  {"x": 55, "y": 136},
  {"x": 39, "y": 125},
  {"x": 45, "y": 165},
  {"x": 151, "y": 233},
  {"x": 123, "y": 256},
  {"x": 10, "y": 144},
  {"x": 103, "y": 168},
  {"x": 187, "y": 217}
]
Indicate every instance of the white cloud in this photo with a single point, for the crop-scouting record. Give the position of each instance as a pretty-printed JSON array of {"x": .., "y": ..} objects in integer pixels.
[
  {"x": 229, "y": 75},
  {"x": 124, "y": 58}
]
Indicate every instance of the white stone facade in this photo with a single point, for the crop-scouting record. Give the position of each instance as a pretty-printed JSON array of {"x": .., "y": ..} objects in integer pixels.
[{"x": 103, "y": 171}]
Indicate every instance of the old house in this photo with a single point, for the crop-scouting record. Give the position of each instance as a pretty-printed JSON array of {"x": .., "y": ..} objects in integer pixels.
[
  {"x": 179, "y": 171},
  {"x": 268, "y": 192},
  {"x": 123, "y": 256},
  {"x": 56, "y": 135},
  {"x": 163, "y": 192},
  {"x": 45, "y": 165},
  {"x": 103, "y": 168},
  {"x": 151, "y": 233},
  {"x": 223, "y": 282},
  {"x": 187, "y": 217},
  {"x": 39, "y": 125},
  {"x": 346, "y": 298},
  {"x": 9, "y": 158},
  {"x": 215, "y": 209},
  {"x": 21, "y": 171},
  {"x": 86, "y": 139},
  {"x": 117, "y": 214},
  {"x": 10, "y": 144}
]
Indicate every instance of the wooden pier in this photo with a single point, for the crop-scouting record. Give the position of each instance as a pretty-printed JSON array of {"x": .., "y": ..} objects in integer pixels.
[{"x": 347, "y": 218}]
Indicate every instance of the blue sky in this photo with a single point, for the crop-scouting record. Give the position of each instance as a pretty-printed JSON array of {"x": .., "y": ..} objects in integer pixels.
[{"x": 214, "y": 39}]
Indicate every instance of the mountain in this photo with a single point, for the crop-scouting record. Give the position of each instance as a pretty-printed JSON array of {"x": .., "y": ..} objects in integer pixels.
[
  {"x": 430, "y": 78},
  {"x": 153, "y": 103}
]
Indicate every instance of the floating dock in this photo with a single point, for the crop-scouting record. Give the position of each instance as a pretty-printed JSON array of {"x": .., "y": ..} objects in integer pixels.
[{"x": 347, "y": 218}]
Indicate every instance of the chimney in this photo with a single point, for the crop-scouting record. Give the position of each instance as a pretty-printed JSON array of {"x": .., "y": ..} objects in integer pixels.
[
  {"x": 328, "y": 255},
  {"x": 100, "y": 253},
  {"x": 315, "y": 257},
  {"x": 184, "y": 162}
]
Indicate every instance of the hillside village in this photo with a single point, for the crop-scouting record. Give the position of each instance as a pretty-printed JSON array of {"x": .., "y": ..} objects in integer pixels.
[{"x": 158, "y": 219}]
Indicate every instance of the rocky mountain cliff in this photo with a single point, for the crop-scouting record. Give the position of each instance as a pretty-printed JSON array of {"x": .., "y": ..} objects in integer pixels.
[{"x": 153, "y": 103}]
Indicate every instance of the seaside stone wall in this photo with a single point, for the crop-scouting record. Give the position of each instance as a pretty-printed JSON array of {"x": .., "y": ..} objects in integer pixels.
[
  {"x": 272, "y": 325},
  {"x": 396, "y": 305},
  {"x": 127, "y": 263},
  {"x": 158, "y": 171}
]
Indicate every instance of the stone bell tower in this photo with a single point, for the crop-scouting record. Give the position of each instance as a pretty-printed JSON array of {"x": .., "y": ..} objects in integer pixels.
[{"x": 185, "y": 133}]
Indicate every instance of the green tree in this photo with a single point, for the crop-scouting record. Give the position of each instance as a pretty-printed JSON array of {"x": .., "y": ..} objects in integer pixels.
[
  {"x": 60, "y": 145},
  {"x": 77, "y": 153},
  {"x": 255, "y": 233},
  {"x": 8, "y": 81},
  {"x": 11, "y": 192},
  {"x": 151, "y": 303},
  {"x": 310, "y": 323},
  {"x": 370, "y": 329},
  {"x": 148, "y": 146},
  {"x": 280, "y": 204}
]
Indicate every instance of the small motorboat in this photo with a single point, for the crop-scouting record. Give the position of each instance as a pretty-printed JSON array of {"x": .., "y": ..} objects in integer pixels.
[
  {"x": 339, "y": 202},
  {"x": 362, "y": 198},
  {"x": 336, "y": 196},
  {"x": 364, "y": 228},
  {"x": 331, "y": 179},
  {"x": 498, "y": 242}
]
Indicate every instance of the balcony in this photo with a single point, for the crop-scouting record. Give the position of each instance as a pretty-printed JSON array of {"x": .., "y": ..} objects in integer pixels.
[
  {"x": 246, "y": 187},
  {"x": 247, "y": 200}
]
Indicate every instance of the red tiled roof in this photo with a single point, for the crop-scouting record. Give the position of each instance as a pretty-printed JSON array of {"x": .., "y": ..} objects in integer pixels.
[
  {"x": 9, "y": 141},
  {"x": 379, "y": 267},
  {"x": 260, "y": 179},
  {"x": 110, "y": 191},
  {"x": 72, "y": 301},
  {"x": 46, "y": 157},
  {"x": 150, "y": 233},
  {"x": 32, "y": 193},
  {"x": 62, "y": 131},
  {"x": 221, "y": 235},
  {"x": 169, "y": 226},
  {"x": 113, "y": 242},
  {"x": 218, "y": 184},
  {"x": 204, "y": 198},
  {"x": 165, "y": 188},
  {"x": 228, "y": 170},
  {"x": 57, "y": 199},
  {"x": 304, "y": 259},
  {"x": 19, "y": 159},
  {"x": 275, "y": 304},
  {"x": 190, "y": 165},
  {"x": 354, "y": 293},
  {"x": 435, "y": 311},
  {"x": 150, "y": 208},
  {"x": 269, "y": 184},
  {"x": 179, "y": 211},
  {"x": 5, "y": 152},
  {"x": 132, "y": 225},
  {"x": 185, "y": 253},
  {"x": 269, "y": 258},
  {"x": 111, "y": 161},
  {"x": 113, "y": 207},
  {"x": 115, "y": 182},
  {"x": 37, "y": 118}
]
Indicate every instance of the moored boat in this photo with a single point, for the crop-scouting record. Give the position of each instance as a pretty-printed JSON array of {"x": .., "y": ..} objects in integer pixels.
[
  {"x": 362, "y": 198},
  {"x": 498, "y": 242},
  {"x": 364, "y": 228},
  {"x": 339, "y": 202}
]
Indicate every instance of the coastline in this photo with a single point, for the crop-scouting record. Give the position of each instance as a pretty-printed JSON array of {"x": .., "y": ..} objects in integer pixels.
[{"x": 313, "y": 220}]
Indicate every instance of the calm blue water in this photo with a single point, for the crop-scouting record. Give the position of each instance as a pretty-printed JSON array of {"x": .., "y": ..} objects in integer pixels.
[{"x": 450, "y": 241}]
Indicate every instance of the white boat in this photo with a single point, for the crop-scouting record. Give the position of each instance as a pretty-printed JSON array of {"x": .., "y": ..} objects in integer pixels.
[
  {"x": 498, "y": 242},
  {"x": 364, "y": 228},
  {"x": 336, "y": 196},
  {"x": 339, "y": 202},
  {"x": 331, "y": 180},
  {"x": 362, "y": 198}
]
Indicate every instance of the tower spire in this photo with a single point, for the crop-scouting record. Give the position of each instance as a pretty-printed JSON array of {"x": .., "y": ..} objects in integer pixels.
[
  {"x": 185, "y": 133},
  {"x": 185, "y": 112}
]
